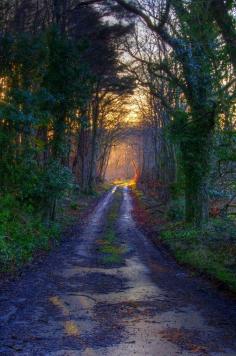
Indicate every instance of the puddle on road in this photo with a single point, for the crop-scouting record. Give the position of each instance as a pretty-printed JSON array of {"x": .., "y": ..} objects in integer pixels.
[
  {"x": 94, "y": 227},
  {"x": 72, "y": 329},
  {"x": 118, "y": 311},
  {"x": 139, "y": 306},
  {"x": 143, "y": 311}
]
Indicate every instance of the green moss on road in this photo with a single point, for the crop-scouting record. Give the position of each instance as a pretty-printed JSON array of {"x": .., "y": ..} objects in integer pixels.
[{"x": 109, "y": 246}]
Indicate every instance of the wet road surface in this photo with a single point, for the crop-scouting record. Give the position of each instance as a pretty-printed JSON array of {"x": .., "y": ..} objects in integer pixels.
[{"x": 73, "y": 303}]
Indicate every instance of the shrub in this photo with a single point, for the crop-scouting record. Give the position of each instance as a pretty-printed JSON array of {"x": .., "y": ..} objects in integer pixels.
[{"x": 22, "y": 232}]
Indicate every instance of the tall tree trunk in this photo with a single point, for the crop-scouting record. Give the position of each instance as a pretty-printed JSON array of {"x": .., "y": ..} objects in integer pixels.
[
  {"x": 197, "y": 161},
  {"x": 59, "y": 135},
  {"x": 95, "y": 117},
  {"x": 196, "y": 200}
]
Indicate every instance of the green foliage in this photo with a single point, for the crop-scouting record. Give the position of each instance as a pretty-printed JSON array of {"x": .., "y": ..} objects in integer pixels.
[
  {"x": 49, "y": 74},
  {"x": 109, "y": 246},
  {"x": 226, "y": 146},
  {"x": 74, "y": 206},
  {"x": 175, "y": 210},
  {"x": 211, "y": 250},
  {"x": 44, "y": 85},
  {"x": 22, "y": 233},
  {"x": 110, "y": 249},
  {"x": 54, "y": 182},
  {"x": 177, "y": 128}
]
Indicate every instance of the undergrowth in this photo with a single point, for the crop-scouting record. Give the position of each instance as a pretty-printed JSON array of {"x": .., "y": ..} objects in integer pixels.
[
  {"x": 22, "y": 233},
  {"x": 78, "y": 202},
  {"x": 210, "y": 250}
]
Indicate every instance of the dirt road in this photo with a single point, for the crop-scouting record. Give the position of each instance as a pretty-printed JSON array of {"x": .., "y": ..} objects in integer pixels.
[{"x": 76, "y": 302}]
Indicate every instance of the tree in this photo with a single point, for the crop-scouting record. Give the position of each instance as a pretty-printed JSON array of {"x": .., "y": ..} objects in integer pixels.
[
  {"x": 222, "y": 13},
  {"x": 194, "y": 45},
  {"x": 52, "y": 87}
]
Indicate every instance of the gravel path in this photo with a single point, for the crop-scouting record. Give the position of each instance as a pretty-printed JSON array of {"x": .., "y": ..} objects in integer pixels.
[{"x": 73, "y": 303}]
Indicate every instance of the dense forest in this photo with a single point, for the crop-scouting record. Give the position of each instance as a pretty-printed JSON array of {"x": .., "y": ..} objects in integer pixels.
[
  {"x": 117, "y": 177},
  {"x": 63, "y": 96},
  {"x": 186, "y": 65},
  {"x": 69, "y": 84},
  {"x": 182, "y": 55}
]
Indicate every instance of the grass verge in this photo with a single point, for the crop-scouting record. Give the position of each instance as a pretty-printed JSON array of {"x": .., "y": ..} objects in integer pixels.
[
  {"x": 210, "y": 251},
  {"x": 23, "y": 234},
  {"x": 74, "y": 206},
  {"x": 109, "y": 246}
]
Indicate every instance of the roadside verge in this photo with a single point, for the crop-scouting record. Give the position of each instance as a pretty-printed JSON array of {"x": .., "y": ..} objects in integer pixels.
[{"x": 210, "y": 252}]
